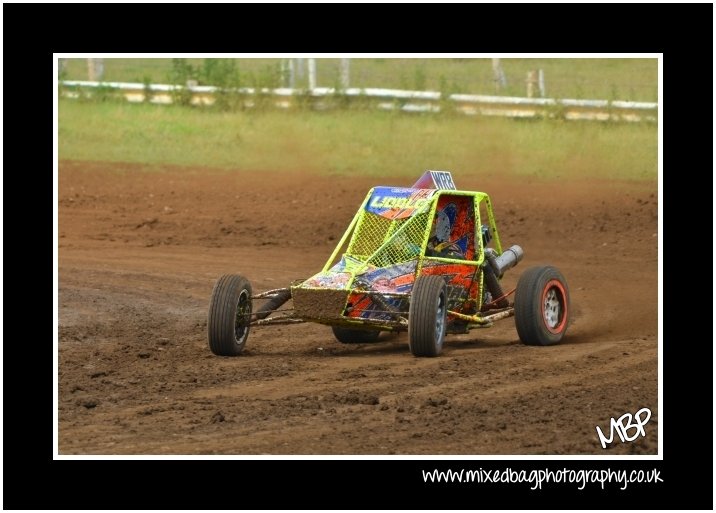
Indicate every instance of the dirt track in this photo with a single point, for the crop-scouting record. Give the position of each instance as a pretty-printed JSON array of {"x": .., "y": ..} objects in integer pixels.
[{"x": 140, "y": 249}]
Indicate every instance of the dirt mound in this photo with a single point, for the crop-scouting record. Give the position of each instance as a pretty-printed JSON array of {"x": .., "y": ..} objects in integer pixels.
[{"x": 140, "y": 249}]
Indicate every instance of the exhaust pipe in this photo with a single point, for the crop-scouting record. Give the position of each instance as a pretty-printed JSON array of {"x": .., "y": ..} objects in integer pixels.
[{"x": 507, "y": 260}]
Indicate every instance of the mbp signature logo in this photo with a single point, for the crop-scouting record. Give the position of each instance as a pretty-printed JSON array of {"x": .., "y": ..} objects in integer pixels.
[{"x": 623, "y": 425}]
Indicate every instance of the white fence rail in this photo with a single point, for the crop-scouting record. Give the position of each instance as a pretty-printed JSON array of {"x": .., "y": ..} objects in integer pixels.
[{"x": 389, "y": 99}]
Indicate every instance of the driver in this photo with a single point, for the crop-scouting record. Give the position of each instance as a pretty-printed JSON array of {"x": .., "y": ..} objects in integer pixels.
[{"x": 439, "y": 244}]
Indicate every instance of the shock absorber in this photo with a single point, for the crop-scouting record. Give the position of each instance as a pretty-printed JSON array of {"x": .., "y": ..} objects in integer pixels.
[
  {"x": 493, "y": 285},
  {"x": 494, "y": 268}
]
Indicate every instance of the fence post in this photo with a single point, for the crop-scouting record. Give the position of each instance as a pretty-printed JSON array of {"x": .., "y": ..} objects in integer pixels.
[
  {"x": 285, "y": 79},
  {"x": 531, "y": 83},
  {"x": 291, "y": 74},
  {"x": 345, "y": 73},
  {"x": 288, "y": 78},
  {"x": 540, "y": 83},
  {"x": 95, "y": 69},
  {"x": 311, "y": 74},
  {"x": 498, "y": 75}
]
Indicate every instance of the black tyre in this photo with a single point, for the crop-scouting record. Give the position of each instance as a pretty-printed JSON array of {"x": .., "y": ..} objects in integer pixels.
[
  {"x": 541, "y": 306},
  {"x": 272, "y": 304},
  {"x": 349, "y": 336},
  {"x": 427, "y": 316},
  {"x": 229, "y": 315}
]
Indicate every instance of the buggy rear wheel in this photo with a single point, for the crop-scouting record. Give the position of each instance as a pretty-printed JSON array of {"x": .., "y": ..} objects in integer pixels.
[
  {"x": 427, "y": 316},
  {"x": 229, "y": 315},
  {"x": 350, "y": 336},
  {"x": 541, "y": 306}
]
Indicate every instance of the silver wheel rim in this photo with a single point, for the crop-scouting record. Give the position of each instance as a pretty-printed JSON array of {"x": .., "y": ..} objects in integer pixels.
[
  {"x": 242, "y": 314},
  {"x": 440, "y": 321},
  {"x": 552, "y": 308}
]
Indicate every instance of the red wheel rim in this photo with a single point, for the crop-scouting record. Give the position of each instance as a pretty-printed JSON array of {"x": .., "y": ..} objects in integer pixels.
[{"x": 554, "y": 307}]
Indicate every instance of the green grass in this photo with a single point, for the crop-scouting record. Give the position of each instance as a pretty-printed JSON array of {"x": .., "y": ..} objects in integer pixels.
[
  {"x": 348, "y": 142},
  {"x": 598, "y": 78}
]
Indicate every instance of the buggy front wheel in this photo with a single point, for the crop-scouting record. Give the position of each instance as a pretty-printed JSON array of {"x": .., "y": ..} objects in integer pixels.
[
  {"x": 229, "y": 315},
  {"x": 427, "y": 316}
]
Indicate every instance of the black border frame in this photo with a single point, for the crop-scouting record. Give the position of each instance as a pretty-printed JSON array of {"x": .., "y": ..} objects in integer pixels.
[{"x": 32, "y": 480}]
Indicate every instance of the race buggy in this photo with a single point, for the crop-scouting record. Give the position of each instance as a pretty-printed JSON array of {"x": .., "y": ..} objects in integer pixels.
[{"x": 427, "y": 260}]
